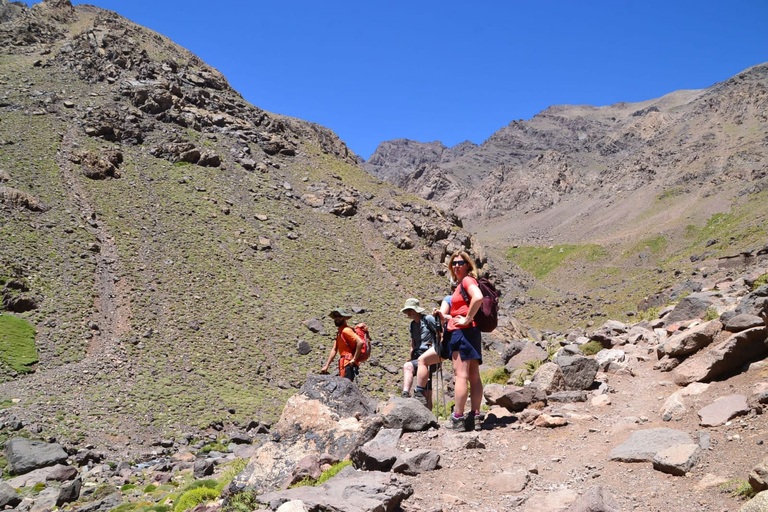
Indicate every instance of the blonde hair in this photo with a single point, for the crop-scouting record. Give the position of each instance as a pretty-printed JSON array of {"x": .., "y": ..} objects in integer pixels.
[{"x": 472, "y": 265}]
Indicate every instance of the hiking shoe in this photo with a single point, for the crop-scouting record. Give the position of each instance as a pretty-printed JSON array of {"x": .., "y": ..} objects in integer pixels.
[
  {"x": 454, "y": 423},
  {"x": 406, "y": 394},
  {"x": 419, "y": 395},
  {"x": 474, "y": 421}
]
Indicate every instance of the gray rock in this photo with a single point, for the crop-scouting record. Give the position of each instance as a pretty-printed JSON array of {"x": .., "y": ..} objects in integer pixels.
[
  {"x": 308, "y": 467},
  {"x": 416, "y": 462},
  {"x": 566, "y": 397},
  {"x": 578, "y": 372},
  {"x": 723, "y": 357},
  {"x": 349, "y": 490},
  {"x": 758, "y": 477},
  {"x": 691, "y": 307},
  {"x": 723, "y": 410},
  {"x": 530, "y": 352},
  {"x": 462, "y": 441},
  {"x": 62, "y": 473},
  {"x": 386, "y": 438},
  {"x": 203, "y": 468},
  {"x": 24, "y": 455},
  {"x": 513, "y": 398},
  {"x": 370, "y": 458},
  {"x": 677, "y": 460},
  {"x": 743, "y": 322},
  {"x": 690, "y": 341},
  {"x": 407, "y": 414},
  {"x": 548, "y": 378},
  {"x": 643, "y": 445},
  {"x": 597, "y": 499},
  {"x": 8, "y": 496},
  {"x": 303, "y": 347},
  {"x": 508, "y": 482},
  {"x": 755, "y": 303},
  {"x": 69, "y": 492},
  {"x": 757, "y": 504}
]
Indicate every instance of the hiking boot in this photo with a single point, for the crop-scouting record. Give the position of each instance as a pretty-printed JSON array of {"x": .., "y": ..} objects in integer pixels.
[
  {"x": 419, "y": 395},
  {"x": 406, "y": 394},
  {"x": 454, "y": 423},
  {"x": 474, "y": 421}
]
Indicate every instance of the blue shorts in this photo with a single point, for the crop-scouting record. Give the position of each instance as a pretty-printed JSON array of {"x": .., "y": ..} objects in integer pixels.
[{"x": 467, "y": 342}]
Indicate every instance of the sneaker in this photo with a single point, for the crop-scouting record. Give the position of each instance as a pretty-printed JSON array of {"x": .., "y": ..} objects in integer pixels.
[
  {"x": 406, "y": 394},
  {"x": 454, "y": 423},
  {"x": 419, "y": 395}
]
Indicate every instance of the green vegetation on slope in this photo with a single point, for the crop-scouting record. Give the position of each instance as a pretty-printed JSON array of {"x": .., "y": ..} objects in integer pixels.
[
  {"x": 17, "y": 343},
  {"x": 541, "y": 261}
]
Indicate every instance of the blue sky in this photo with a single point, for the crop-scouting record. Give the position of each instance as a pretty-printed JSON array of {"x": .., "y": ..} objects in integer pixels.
[{"x": 454, "y": 71}]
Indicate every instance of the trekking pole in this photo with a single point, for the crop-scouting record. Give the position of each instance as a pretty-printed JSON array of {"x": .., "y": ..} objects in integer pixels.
[{"x": 439, "y": 377}]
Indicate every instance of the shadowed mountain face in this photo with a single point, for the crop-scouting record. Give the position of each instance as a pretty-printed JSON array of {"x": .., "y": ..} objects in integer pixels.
[
  {"x": 177, "y": 249},
  {"x": 537, "y": 176}
]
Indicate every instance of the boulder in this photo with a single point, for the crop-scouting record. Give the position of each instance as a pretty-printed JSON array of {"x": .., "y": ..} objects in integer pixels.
[
  {"x": 8, "y": 496},
  {"x": 24, "y": 455},
  {"x": 597, "y": 499},
  {"x": 757, "y": 504},
  {"x": 578, "y": 372},
  {"x": 350, "y": 490},
  {"x": 329, "y": 414},
  {"x": 723, "y": 410},
  {"x": 755, "y": 303},
  {"x": 407, "y": 414},
  {"x": 690, "y": 340},
  {"x": 370, "y": 458},
  {"x": 758, "y": 477},
  {"x": 743, "y": 322},
  {"x": 513, "y": 398},
  {"x": 416, "y": 462},
  {"x": 643, "y": 445},
  {"x": 548, "y": 378},
  {"x": 386, "y": 438},
  {"x": 692, "y": 307},
  {"x": 530, "y": 352},
  {"x": 723, "y": 358},
  {"x": 677, "y": 460}
]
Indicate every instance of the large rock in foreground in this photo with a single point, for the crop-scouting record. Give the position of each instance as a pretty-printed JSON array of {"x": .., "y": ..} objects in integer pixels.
[
  {"x": 24, "y": 455},
  {"x": 328, "y": 415},
  {"x": 349, "y": 491}
]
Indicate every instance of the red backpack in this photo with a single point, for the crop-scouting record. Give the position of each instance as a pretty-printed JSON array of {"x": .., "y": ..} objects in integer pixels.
[
  {"x": 487, "y": 317},
  {"x": 362, "y": 332}
]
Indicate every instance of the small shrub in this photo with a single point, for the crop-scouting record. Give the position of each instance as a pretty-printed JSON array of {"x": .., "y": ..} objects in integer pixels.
[
  {"x": 103, "y": 491},
  {"x": 649, "y": 314},
  {"x": 127, "y": 487},
  {"x": 494, "y": 376},
  {"x": 738, "y": 488},
  {"x": 242, "y": 502},
  {"x": 208, "y": 483},
  {"x": 195, "y": 497},
  {"x": 329, "y": 473},
  {"x": 232, "y": 470},
  {"x": 332, "y": 471},
  {"x": 760, "y": 281},
  {"x": 711, "y": 314},
  {"x": 591, "y": 348},
  {"x": 125, "y": 507},
  {"x": 150, "y": 488},
  {"x": 214, "y": 446}
]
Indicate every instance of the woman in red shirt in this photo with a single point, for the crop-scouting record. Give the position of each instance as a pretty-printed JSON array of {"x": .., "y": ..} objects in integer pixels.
[{"x": 464, "y": 341}]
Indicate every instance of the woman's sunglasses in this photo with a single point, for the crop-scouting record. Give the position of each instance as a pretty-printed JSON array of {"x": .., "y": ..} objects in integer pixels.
[{"x": 458, "y": 263}]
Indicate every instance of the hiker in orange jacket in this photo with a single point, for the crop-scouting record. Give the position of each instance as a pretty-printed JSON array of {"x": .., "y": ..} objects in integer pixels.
[{"x": 348, "y": 345}]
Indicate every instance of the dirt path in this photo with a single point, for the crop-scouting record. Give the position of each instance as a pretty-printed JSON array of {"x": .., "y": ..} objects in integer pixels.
[{"x": 572, "y": 459}]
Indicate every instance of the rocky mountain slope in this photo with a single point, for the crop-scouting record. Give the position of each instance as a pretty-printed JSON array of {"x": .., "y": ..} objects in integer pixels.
[
  {"x": 175, "y": 249},
  {"x": 606, "y": 205}
]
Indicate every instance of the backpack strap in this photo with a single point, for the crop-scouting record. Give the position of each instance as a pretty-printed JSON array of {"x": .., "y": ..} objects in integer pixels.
[{"x": 463, "y": 292}]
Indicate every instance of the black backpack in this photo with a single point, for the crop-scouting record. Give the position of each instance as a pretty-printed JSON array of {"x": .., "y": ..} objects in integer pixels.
[{"x": 487, "y": 317}]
